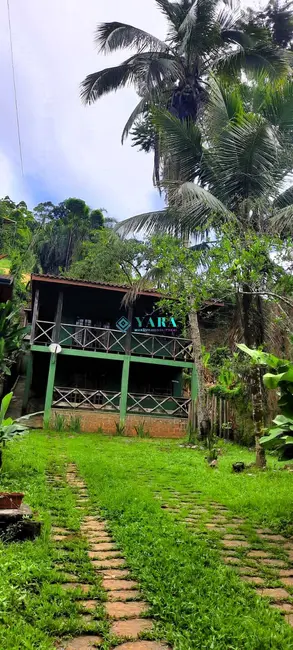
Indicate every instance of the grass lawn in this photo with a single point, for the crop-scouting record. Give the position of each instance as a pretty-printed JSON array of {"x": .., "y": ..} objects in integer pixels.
[
  {"x": 196, "y": 600},
  {"x": 4, "y": 265}
]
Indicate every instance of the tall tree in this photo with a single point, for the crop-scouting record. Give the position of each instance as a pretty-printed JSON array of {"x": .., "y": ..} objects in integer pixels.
[
  {"x": 204, "y": 36},
  {"x": 239, "y": 161},
  {"x": 62, "y": 230}
]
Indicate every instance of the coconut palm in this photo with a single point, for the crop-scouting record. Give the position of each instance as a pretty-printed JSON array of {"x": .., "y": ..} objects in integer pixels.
[
  {"x": 235, "y": 165},
  {"x": 203, "y": 36}
]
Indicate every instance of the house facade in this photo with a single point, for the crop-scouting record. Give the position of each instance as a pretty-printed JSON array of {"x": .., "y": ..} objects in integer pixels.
[{"x": 92, "y": 358}]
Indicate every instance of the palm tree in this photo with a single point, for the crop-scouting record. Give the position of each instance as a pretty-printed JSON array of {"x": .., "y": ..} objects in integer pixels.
[
  {"x": 204, "y": 36},
  {"x": 235, "y": 165}
]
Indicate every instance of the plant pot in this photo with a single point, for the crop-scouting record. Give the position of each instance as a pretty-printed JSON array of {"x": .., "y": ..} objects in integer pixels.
[{"x": 10, "y": 500}]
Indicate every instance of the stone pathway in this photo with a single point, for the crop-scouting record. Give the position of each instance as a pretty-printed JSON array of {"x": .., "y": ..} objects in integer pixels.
[
  {"x": 261, "y": 558},
  {"x": 126, "y": 611}
]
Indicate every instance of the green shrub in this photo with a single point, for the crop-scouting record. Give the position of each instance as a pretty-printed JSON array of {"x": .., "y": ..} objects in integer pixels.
[
  {"x": 120, "y": 429},
  {"x": 75, "y": 424},
  {"x": 59, "y": 422},
  {"x": 141, "y": 431}
]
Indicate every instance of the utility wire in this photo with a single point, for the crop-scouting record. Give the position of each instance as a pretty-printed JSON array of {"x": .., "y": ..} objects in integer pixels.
[{"x": 15, "y": 90}]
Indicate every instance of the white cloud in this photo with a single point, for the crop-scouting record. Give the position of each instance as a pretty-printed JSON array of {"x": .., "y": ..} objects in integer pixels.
[{"x": 69, "y": 149}]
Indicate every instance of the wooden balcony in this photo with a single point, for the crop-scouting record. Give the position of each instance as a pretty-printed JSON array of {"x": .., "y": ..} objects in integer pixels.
[
  {"x": 81, "y": 398},
  {"x": 109, "y": 401},
  {"x": 96, "y": 339}
]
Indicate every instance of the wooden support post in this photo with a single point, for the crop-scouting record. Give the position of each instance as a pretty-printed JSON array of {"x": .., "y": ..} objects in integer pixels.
[
  {"x": 124, "y": 389},
  {"x": 129, "y": 332},
  {"x": 58, "y": 317},
  {"x": 194, "y": 391},
  {"x": 28, "y": 381},
  {"x": 50, "y": 389},
  {"x": 35, "y": 315}
]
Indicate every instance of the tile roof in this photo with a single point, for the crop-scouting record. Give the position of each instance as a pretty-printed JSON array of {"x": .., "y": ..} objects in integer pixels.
[{"x": 90, "y": 283}]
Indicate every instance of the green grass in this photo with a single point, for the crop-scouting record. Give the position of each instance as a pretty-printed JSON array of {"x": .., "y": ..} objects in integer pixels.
[
  {"x": 4, "y": 263},
  {"x": 196, "y": 601}
]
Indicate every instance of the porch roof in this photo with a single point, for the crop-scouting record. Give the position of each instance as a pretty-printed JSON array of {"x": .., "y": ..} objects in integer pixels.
[{"x": 101, "y": 284}]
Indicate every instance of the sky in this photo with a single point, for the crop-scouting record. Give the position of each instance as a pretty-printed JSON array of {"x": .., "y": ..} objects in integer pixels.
[{"x": 69, "y": 149}]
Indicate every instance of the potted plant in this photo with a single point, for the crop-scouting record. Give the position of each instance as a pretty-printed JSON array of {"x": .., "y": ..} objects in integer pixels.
[{"x": 8, "y": 430}]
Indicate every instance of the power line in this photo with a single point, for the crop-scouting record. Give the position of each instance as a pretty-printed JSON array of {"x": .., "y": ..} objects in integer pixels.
[{"x": 14, "y": 86}]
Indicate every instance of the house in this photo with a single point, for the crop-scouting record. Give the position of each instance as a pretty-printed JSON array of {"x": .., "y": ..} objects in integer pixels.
[{"x": 92, "y": 358}]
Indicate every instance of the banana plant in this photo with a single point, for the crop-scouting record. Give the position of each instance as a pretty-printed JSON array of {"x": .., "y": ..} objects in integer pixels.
[{"x": 280, "y": 437}]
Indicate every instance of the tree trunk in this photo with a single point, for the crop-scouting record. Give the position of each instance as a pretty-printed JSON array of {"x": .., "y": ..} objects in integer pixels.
[
  {"x": 202, "y": 415},
  {"x": 253, "y": 326},
  {"x": 257, "y": 415},
  {"x": 68, "y": 251}
]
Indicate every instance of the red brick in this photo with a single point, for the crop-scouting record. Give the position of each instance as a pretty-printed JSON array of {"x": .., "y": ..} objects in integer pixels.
[{"x": 158, "y": 427}]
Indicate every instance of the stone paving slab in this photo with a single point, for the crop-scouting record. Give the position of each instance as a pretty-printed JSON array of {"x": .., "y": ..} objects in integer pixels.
[
  {"x": 131, "y": 609},
  {"x": 124, "y": 595},
  {"x": 121, "y": 605},
  {"x": 131, "y": 629},
  {"x": 113, "y": 585},
  {"x": 82, "y": 643},
  {"x": 142, "y": 645}
]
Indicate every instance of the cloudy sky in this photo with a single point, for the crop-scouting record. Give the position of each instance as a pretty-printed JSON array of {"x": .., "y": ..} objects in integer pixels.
[{"x": 69, "y": 149}]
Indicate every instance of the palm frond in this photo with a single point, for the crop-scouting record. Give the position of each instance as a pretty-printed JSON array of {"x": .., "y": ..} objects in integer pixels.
[
  {"x": 285, "y": 199},
  {"x": 277, "y": 105},
  {"x": 190, "y": 18},
  {"x": 228, "y": 15},
  {"x": 224, "y": 105},
  {"x": 150, "y": 222},
  {"x": 153, "y": 67},
  {"x": 139, "y": 109},
  {"x": 172, "y": 11},
  {"x": 236, "y": 36},
  {"x": 181, "y": 140},
  {"x": 193, "y": 209},
  {"x": 100, "y": 83},
  {"x": 262, "y": 59},
  {"x": 198, "y": 31},
  {"x": 115, "y": 35},
  {"x": 282, "y": 220},
  {"x": 247, "y": 158},
  {"x": 199, "y": 208}
]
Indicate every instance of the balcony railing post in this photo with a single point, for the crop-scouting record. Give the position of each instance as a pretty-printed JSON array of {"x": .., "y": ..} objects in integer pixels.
[
  {"x": 35, "y": 315},
  {"x": 58, "y": 317}
]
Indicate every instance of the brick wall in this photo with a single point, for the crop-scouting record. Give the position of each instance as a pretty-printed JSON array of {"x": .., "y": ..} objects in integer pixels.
[{"x": 158, "y": 427}]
